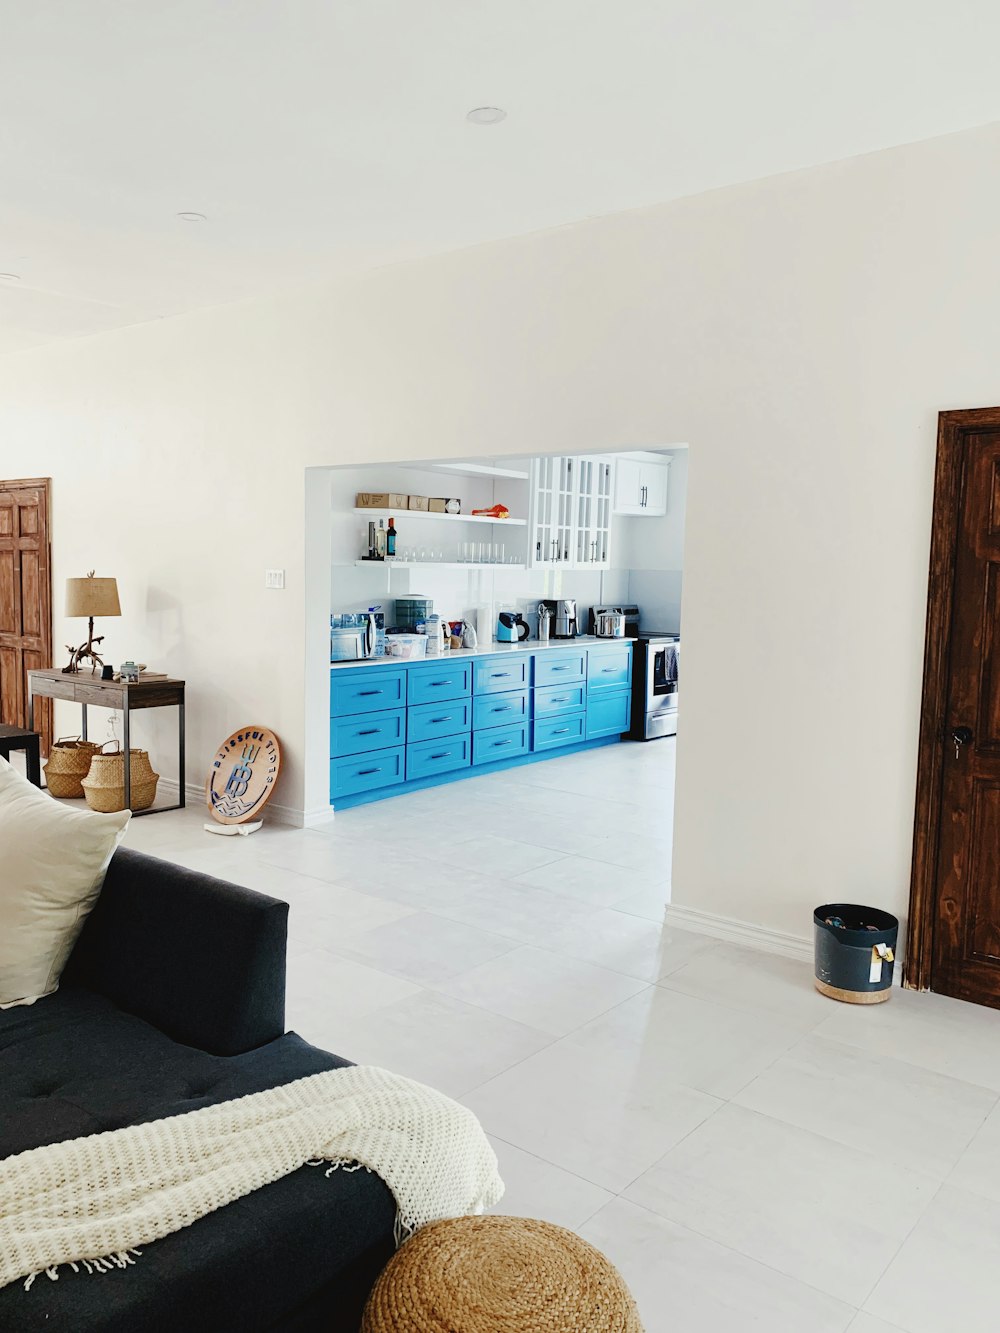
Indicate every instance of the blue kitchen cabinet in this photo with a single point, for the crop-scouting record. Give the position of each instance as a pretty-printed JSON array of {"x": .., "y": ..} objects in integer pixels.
[
  {"x": 608, "y": 715},
  {"x": 555, "y": 732},
  {"x": 500, "y": 710},
  {"x": 559, "y": 699},
  {"x": 367, "y": 731},
  {"x": 496, "y": 743},
  {"x": 609, "y": 691},
  {"x": 366, "y": 690},
  {"x": 429, "y": 758},
  {"x": 558, "y": 668},
  {"x": 496, "y": 675},
  {"x": 447, "y": 718},
  {"x": 366, "y": 772},
  {"x": 437, "y": 682},
  {"x": 401, "y": 727},
  {"x": 609, "y": 669}
]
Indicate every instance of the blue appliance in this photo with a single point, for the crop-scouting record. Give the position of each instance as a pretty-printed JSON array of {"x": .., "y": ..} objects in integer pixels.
[{"x": 509, "y": 626}]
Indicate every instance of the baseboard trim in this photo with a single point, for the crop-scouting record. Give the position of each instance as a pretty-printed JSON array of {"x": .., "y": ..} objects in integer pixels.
[
  {"x": 195, "y": 793},
  {"x": 734, "y": 931}
]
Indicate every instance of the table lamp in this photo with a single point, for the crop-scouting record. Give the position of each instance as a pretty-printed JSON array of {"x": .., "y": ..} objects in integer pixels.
[{"x": 90, "y": 597}]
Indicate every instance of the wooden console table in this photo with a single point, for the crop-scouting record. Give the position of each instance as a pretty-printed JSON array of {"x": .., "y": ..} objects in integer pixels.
[{"x": 84, "y": 689}]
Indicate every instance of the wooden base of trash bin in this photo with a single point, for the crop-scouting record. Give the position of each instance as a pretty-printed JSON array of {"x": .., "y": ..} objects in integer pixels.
[{"x": 854, "y": 996}]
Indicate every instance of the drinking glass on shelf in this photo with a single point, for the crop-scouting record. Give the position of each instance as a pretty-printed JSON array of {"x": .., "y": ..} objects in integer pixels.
[
  {"x": 499, "y": 553},
  {"x": 422, "y": 554}
]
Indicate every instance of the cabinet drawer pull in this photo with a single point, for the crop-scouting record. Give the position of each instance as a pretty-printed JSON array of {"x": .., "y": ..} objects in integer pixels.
[
  {"x": 559, "y": 731},
  {"x": 608, "y": 670},
  {"x": 436, "y": 684},
  {"x": 498, "y": 675},
  {"x": 509, "y": 741},
  {"x": 364, "y": 772},
  {"x": 363, "y": 693},
  {"x": 561, "y": 668},
  {"x": 559, "y": 699},
  {"x": 436, "y": 720},
  {"x": 443, "y": 755},
  {"x": 504, "y": 709},
  {"x": 372, "y": 731}
]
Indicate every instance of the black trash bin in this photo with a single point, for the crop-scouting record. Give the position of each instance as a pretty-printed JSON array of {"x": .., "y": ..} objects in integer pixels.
[{"x": 855, "y": 948}]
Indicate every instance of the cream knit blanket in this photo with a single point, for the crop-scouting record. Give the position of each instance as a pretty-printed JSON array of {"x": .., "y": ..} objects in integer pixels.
[{"x": 99, "y": 1197}]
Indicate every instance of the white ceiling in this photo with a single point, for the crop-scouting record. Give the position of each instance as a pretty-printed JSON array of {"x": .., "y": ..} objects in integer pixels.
[{"x": 325, "y": 136}]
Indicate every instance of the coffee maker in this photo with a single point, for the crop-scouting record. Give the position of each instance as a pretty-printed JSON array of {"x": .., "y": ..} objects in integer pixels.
[{"x": 563, "y": 610}]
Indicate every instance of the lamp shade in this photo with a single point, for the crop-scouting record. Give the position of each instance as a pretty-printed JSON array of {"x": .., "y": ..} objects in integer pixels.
[{"x": 92, "y": 597}]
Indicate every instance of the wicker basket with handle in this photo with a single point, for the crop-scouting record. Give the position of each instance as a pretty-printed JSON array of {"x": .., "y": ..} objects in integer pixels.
[
  {"x": 104, "y": 785},
  {"x": 67, "y": 766}
]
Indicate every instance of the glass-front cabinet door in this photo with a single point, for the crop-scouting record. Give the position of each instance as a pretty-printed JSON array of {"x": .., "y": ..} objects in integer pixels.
[
  {"x": 594, "y": 502},
  {"x": 553, "y": 511}
]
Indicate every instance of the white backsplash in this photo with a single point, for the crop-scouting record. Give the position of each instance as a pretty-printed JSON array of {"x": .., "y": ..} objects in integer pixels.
[
  {"x": 657, "y": 593},
  {"x": 456, "y": 592}
]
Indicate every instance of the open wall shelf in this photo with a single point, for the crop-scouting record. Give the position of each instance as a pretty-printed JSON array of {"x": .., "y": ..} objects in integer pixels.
[
  {"x": 393, "y": 563},
  {"x": 406, "y": 514}
]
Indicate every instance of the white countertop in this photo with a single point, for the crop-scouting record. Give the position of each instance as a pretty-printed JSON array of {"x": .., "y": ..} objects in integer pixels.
[{"x": 490, "y": 650}]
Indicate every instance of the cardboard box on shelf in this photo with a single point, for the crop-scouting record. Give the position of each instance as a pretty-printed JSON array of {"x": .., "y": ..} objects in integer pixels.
[
  {"x": 418, "y": 502},
  {"x": 445, "y": 505},
  {"x": 381, "y": 500}
]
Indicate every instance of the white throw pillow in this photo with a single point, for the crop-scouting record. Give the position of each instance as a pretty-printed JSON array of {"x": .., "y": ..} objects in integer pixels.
[{"x": 52, "y": 865}]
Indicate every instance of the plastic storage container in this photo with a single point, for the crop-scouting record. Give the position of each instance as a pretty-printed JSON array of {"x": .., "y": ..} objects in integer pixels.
[
  {"x": 406, "y": 645},
  {"x": 855, "y": 951}
]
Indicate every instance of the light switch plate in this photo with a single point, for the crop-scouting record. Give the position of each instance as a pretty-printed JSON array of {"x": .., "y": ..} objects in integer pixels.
[{"x": 274, "y": 578}]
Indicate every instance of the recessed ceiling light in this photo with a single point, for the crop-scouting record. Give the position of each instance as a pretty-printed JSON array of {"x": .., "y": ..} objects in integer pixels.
[
  {"x": 486, "y": 115},
  {"x": 192, "y": 217},
  {"x": 10, "y": 277}
]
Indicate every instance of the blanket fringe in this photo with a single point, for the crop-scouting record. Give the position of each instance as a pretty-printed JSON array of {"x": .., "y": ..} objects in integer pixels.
[
  {"x": 402, "y": 1228},
  {"x": 117, "y": 1259}
]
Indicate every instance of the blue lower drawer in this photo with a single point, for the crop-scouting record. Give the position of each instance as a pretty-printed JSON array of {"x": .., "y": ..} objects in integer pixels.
[
  {"x": 609, "y": 669},
  {"x": 560, "y": 699},
  {"x": 499, "y": 743},
  {"x": 369, "y": 731},
  {"x": 381, "y": 768},
  {"x": 608, "y": 714},
  {"x": 570, "y": 729},
  {"x": 499, "y": 710},
  {"x": 449, "y": 718},
  {"x": 426, "y": 758}
]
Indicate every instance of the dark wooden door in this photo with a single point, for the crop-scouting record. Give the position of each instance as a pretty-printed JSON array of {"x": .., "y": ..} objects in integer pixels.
[
  {"x": 25, "y": 599},
  {"x": 956, "y": 891}
]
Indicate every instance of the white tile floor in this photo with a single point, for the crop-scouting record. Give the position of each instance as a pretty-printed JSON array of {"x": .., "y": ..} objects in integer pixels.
[{"x": 750, "y": 1154}]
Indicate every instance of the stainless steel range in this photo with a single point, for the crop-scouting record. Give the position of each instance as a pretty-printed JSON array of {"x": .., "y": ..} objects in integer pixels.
[{"x": 654, "y": 685}]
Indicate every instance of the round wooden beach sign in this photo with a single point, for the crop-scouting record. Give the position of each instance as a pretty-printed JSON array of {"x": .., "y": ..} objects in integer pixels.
[{"x": 243, "y": 773}]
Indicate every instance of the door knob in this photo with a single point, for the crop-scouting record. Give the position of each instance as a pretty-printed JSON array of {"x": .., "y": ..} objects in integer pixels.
[{"x": 961, "y": 736}]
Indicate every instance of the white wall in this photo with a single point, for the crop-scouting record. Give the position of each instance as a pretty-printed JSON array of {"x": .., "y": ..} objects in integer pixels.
[{"x": 801, "y": 333}]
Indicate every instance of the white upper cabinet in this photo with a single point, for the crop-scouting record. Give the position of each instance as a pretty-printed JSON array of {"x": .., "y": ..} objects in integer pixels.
[
  {"x": 572, "y": 501},
  {"x": 551, "y": 511},
  {"x": 594, "y": 504},
  {"x": 641, "y": 486}
]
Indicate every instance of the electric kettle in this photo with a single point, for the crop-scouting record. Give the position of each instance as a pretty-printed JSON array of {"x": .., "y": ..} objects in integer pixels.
[{"x": 509, "y": 627}]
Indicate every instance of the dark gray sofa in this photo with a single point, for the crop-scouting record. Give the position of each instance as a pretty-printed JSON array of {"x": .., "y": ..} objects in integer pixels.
[{"x": 173, "y": 999}]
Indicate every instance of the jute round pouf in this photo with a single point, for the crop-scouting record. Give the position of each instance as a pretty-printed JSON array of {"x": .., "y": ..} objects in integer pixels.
[{"x": 499, "y": 1275}]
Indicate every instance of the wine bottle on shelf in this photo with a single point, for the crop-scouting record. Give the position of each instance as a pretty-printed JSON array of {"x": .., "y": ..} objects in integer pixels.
[
  {"x": 390, "y": 539},
  {"x": 380, "y": 541}
]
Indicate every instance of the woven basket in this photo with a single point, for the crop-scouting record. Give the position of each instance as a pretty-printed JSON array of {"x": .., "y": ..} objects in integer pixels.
[
  {"x": 68, "y": 764},
  {"x": 104, "y": 785},
  {"x": 499, "y": 1275}
]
